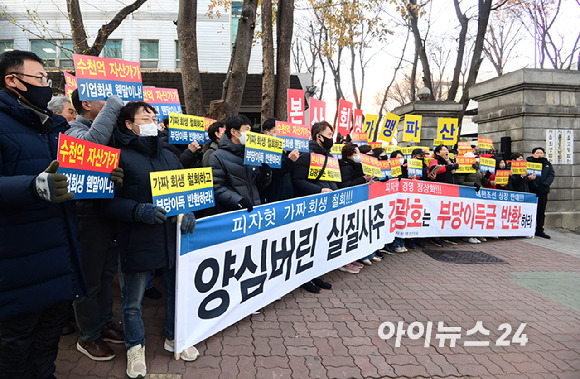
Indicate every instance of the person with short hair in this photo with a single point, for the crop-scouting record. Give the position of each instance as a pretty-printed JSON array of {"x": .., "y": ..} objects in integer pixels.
[
  {"x": 40, "y": 268},
  {"x": 541, "y": 187},
  {"x": 61, "y": 105},
  {"x": 214, "y": 132}
]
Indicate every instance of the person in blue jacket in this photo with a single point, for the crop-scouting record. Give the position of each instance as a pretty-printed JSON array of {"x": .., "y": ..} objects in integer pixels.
[{"x": 40, "y": 271}]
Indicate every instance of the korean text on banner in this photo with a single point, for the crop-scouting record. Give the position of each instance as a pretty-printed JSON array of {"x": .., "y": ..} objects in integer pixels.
[
  {"x": 412, "y": 128},
  {"x": 534, "y": 169},
  {"x": 182, "y": 191},
  {"x": 70, "y": 84},
  {"x": 331, "y": 172},
  {"x": 502, "y": 176},
  {"x": 185, "y": 129},
  {"x": 359, "y": 138},
  {"x": 385, "y": 167},
  {"x": 294, "y": 136},
  {"x": 88, "y": 167},
  {"x": 519, "y": 167},
  {"x": 336, "y": 150},
  {"x": 370, "y": 126},
  {"x": 344, "y": 117},
  {"x": 358, "y": 121},
  {"x": 396, "y": 169},
  {"x": 466, "y": 165},
  {"x": 164, "y": 100},
  {"x": 390, "y": 148},
  {"x": 447, "y": 131},
  {"x": 415, "y": 167},
  {"x": 389, "y": 127},
  {"x": 370, "y": 165},
  {"x": 99, "y": 78},
  {"x": 296, "y": 107},
  {"x": 485, "y": 143},
  {"x": 463, "y": 148},
  {"x": 262, "y": 255},
  {"x": 261, "y": 148},
  {"x": 317, "y": 111},
  {"x": 487, "y": 164}
]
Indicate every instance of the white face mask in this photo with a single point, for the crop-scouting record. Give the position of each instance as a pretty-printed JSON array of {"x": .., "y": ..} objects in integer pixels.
[
  {"x": 242, "y": 138},
  {"x": 148, "y": 130},
  {"x": 357, "y": 158}
]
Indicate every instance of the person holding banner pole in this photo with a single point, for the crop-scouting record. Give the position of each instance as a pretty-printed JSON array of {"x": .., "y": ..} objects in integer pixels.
[
  {"x": 321, "y": 143},
  {"x": 541, "y": 187},
  {"x": 147, "y": 238},
  {"x": 95, "y": 122},
  {"x": 236, "y": 184},
  {"x": 40, "y": 267}
]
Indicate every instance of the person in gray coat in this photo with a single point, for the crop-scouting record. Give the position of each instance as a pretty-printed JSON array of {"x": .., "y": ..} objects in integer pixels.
[{"x": 95, "y": 122}]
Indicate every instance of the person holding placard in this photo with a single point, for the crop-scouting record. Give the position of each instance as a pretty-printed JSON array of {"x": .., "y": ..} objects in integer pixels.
[
  {"x": 235, "y": 184},
  {"x": 40, "y": 263},
  {"x": 519, "y": 181},
  {"x": 147, "y": 238},
  {"x": 541, "y": 187}
]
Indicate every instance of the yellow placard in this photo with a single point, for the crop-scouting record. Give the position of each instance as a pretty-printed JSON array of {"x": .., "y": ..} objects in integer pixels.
[
  {"x": 466, "y": 165},
  {"x": 485, "y": 143},
  {"x": 370, "y": 125},
  {"x": 186, "y": 122},
  {"x": 389, "y": 127},
  {"x": 168, "y": 182},
  {"x": 331, "y": 171},
  {"x": 264, "y": 142},
  {"x": 502, "y": 176},
  {"x": 412, "y": 128},
  {"x": 519, "y": 167},
  {"x": 447, "y": 131},
  {"x": 488, "y": 162},
  {"x": 415, "y": 163},
  {"x": 533, "y": 168},
  {"x": 336, "y": 149},
  {"x": 390, "y": 148},
  {"x": 396, "y": 170}
]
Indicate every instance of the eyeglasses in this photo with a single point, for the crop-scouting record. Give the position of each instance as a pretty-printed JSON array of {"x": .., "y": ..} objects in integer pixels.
[
  {"x": 147, "y": 120},
  {"x": 44, "y": 80}
]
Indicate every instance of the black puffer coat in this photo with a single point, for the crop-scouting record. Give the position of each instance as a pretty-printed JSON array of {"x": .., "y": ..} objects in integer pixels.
[
  {"x": 351, "y": 173},
  {"x": 542, "y": 183},
  {"x": 304, "y": 186},
  {"x": 143, "y": 247},
  {"x": 232, "y": 180}
]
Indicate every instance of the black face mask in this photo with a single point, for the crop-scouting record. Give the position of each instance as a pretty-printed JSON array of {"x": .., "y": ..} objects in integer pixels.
[
  {"x": 36, "y": 95},
  {"x": 327, "y": 142}
]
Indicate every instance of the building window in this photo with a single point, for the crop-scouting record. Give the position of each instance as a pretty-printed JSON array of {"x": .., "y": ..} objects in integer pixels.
[
  {"x": 236, "y": 15},
  {"x": 54, "y": 53},
  {"x": 6, "y": 45},
  {"x": 177, "y": 60},
  {"x": 113, "y": 49},
  {"x": 149, "y": 54}
]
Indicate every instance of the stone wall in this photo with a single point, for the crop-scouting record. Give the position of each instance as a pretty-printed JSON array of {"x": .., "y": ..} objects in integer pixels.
[{"x": 523, "y": 105}]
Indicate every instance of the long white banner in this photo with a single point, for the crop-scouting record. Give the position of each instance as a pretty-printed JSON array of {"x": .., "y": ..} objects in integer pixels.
[{"x": 238, "y": 262}]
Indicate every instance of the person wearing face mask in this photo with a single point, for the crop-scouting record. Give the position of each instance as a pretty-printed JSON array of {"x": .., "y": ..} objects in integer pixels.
[
  {"x": 236, "y": 185},
  {"x": 280, "y": 188},
  {"x": 519, "y": 182},
  {"x": 147, "y": 238},
  {"x": 40, "y": 268},
  {"x": 541, "y": 187},
  {"x": 95, "y": 123}
]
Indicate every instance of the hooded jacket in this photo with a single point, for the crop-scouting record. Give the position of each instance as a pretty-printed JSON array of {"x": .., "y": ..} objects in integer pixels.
[
  {"x": 232, "y": 180},
  {"x": 542, "y": 183},
  {"x": 143, "y": 247},
  {"x": 39, "y": 248},
  {"x": 304, "y": 186}
]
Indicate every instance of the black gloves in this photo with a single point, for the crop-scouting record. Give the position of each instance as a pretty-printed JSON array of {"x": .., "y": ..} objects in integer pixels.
[
  {"x": 455, "y": 166},
  {"x": 51, "y": 186},
  {"x": 487, "y": 175},
  {"x": 265, "y": 172},
  {"x": 148, "y": 213},
  {"x": 117, "y": 177},
  {"x": 245, "y": 204},
  {"x": 477, "y": 187},
  {"x": 475, "y": 165},
  {"x": 188, "y": 223}
]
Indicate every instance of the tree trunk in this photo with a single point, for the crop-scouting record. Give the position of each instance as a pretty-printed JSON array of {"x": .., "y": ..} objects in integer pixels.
[
  {"x": 79, "y": 35},
  {"x": 463, "y": 21},
  {"x": 236, "y": 76},
  {"x": 413, "y": 13},
  {"x": 268, "y": 76},
  {"x": 190, "y": 77},
  {"x": 284, "y": 30}
]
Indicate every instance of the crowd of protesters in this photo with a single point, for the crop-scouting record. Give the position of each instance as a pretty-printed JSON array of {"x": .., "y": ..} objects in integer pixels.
[{"x": 55, "y": 251}]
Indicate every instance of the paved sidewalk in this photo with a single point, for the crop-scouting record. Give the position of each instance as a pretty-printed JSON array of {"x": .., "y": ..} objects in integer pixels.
[{"x": 335, "y": 334}]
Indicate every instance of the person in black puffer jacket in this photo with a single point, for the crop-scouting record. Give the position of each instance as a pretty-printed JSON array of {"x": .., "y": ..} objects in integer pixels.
[
  {"x": 236, "y": 184},
  {"x": 40, "y": 268},
  {"x": 541, "y": 187},
  {"x": 147, "y": 239},
  {"x": 442, "y": 169}
]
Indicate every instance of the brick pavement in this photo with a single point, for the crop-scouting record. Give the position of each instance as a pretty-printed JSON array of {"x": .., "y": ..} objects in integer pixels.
[{"x": 335, "y": 334}]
